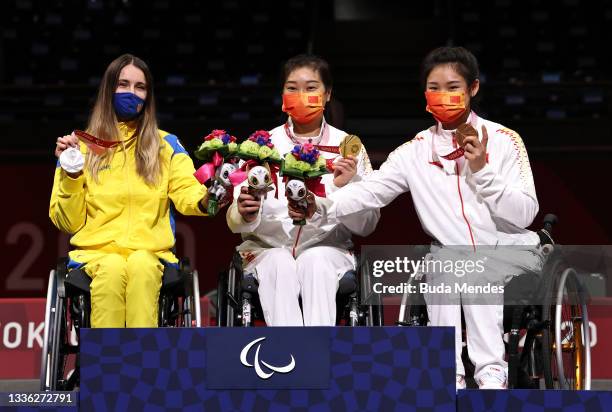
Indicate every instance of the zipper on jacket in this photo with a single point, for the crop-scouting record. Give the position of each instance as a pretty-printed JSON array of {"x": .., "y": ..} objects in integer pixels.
[
  {"x": 129, "y": 201},
  {"x": 462, "y": 209}
]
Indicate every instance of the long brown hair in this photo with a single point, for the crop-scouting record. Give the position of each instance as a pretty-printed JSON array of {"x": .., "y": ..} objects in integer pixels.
[{"x": 103, "y": 123}]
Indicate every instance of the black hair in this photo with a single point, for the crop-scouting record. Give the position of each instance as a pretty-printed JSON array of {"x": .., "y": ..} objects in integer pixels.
[
  {"x": 316, "y": 63},
  {"x": 461, "y": 59}
]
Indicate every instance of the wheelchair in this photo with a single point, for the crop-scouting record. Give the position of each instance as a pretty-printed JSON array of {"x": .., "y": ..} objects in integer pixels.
[
  {"x": 237, "y": 301},
  {"x": 556, "y": 336},
  {"x": 68, "y": 310}
]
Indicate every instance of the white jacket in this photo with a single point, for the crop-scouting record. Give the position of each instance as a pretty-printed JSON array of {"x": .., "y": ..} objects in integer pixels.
[
  {"x": 454, "y": 205},
  {"x": 273, "y": 228}
]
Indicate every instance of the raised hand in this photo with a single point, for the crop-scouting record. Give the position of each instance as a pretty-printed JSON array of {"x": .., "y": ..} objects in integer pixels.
[
  {"x": 64, "y": 142},
  {"x": 344, "y": 170},
  {"x": 476, "y": 150}
]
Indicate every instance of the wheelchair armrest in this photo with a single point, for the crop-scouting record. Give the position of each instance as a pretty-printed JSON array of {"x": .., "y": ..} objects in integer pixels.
[
  {"x": 347, "y": 284},
  {"x": 521, "y": 290},
  {"x": 249, "y": 284},
  {"x": 184, "y": 264},
  {"x": 237, "y": 263},
  {"x": 77, "y": 282},
  {"x": 545, "y": 237},
  {"x": 172, "y": 277}
]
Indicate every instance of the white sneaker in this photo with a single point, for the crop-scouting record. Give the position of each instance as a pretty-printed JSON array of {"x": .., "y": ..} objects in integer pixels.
[
  {"x": 492, "y": 377},
  {"x": 460, "y": 382}
]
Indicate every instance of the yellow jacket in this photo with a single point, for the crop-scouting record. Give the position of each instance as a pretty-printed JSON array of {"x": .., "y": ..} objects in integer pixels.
[{"x": 121, "y": 213}]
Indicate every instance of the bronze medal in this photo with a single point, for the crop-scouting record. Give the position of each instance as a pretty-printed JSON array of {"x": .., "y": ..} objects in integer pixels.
[{"x": 464, "y": 130}]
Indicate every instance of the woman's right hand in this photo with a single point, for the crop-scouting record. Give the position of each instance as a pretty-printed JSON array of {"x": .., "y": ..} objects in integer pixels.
[
  {"x": 248, "y": 205},
  {"x": 63, "y": 143}
]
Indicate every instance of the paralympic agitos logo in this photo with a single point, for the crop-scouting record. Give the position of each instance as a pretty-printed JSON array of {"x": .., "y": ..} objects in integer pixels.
[{"x": 261, "y": 365}]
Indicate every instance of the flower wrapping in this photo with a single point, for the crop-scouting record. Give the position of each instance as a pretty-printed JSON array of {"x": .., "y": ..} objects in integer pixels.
[{"x": 259, "y": 147}]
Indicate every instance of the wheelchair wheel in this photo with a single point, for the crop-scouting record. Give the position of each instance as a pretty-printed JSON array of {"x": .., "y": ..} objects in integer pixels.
[
  {"x": 196, "y": 299},
  {"x": 228, "y": 289},
  {"x": 56, "y": 337},
  {"x": 50, "y": 313},
  {"x": 179, "y": 298},
  {"x": 566, "y": 342},
  {"x": 221, "y": 299},
  {"x": 59, "y": 345},
  {"x": 191, "y": 315},
  {"x": 374, "y": 308},
  {"x": 413, "y": 309},
  {"x": 237, "y": 299}
]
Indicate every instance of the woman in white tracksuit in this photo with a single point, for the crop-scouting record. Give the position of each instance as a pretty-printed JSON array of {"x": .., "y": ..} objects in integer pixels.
[
  {"x": 476, "y": 195},
  {"x": 290, "y": 260}
]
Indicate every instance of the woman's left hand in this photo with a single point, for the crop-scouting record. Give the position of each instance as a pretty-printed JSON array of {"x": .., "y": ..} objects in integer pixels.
[
  {"x": 226, "y": 200},
  {"x": 344, "y": 170},
  {"x": 476, "y": 150}
]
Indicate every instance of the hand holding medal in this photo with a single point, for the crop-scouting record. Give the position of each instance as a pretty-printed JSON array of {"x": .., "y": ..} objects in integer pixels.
[
  {"x": 350, "y": 145},
  {"x": 464, "y": 130},
  {"x": 70, "y": 157},
  {"x": 475, "y": 150},
  {"x": 346, "y": 167}
]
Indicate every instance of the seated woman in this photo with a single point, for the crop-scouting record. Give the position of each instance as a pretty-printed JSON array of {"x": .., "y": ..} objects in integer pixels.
[
  {"x": 290, "y": 261},
  {"x": 471, "y": 186},
  {"x": 120, "y": 206}
]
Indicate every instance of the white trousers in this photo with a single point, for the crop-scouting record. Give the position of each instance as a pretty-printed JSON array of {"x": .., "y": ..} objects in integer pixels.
[
  {"x": 313, "y": 275},
  {"x": 484, "y": 332},
  {"x": 483, "y": 322}
]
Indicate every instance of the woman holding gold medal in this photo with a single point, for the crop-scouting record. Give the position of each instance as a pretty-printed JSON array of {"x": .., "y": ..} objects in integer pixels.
[
  {"x": 292, "y": 260},
  {"x": 472, "y": 187},
  {"x": 116, "y": 190}
]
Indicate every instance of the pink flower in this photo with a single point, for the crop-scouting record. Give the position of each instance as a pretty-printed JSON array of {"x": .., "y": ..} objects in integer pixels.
[
  {"x": 215, "y": 133},
  {"x": 262, "y": 138}
]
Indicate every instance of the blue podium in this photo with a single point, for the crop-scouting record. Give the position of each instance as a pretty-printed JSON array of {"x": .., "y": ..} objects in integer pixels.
[
  {"x": 526, "y": 400},
  {"x": 268, "y": 369}
]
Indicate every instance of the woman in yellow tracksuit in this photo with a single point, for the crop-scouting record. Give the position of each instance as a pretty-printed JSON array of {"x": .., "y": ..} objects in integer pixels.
[{"x": 120, "y": 206}]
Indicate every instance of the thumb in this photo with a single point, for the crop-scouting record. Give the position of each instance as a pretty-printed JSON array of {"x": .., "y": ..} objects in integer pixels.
[{"x": 485, "y": 137}]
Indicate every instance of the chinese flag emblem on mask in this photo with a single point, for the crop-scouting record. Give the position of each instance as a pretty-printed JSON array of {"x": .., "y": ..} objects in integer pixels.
[
  {"x": 303, "y": 107},
  {"x": 445, "y": 106}
]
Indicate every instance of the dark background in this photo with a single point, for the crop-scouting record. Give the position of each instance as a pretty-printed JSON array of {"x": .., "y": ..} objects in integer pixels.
[{"x": 544, "y": 70}]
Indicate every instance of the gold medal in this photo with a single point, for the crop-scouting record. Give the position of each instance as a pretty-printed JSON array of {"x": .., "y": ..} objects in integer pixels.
[{"x": 350, "y": 146}]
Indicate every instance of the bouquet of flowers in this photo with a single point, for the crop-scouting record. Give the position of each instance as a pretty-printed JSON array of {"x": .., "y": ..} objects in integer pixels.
[
  {"x": 218, "y": 141},
  {"x": 305, "y": 162},
  {"x": 303, "y": 167},
  {"x": 259, "y": 147},
  {"x": 219, "y": 152}
]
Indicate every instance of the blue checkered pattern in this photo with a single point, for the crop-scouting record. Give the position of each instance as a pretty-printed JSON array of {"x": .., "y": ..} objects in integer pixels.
[
  {"x": 40, "y": 408},
  {"x": 372, "y": 369},
  {"x": 534, "y": 401}
]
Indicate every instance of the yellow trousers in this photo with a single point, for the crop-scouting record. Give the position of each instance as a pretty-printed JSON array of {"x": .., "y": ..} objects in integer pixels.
[{"x": 124, "y": 289}]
